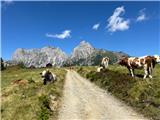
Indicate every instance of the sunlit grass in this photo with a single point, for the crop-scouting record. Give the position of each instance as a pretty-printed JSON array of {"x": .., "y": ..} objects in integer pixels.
[{"x": 26, "y": 102}]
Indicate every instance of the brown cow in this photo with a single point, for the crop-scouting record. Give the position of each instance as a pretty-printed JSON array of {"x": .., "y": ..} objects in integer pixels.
[{"x": 146, "y": 62}]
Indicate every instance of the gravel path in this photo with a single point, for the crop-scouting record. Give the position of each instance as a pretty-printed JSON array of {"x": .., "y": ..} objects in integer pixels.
[{"x": 83, "y": 100}]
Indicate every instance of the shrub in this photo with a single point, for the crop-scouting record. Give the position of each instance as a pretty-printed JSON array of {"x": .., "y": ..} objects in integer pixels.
[{"x": 45, "y": 109}]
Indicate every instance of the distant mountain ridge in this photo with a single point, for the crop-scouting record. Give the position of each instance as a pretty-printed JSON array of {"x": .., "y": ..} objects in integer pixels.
[
  {"x": 83, "y": 54},
  {"x": 40, "y": 57}
]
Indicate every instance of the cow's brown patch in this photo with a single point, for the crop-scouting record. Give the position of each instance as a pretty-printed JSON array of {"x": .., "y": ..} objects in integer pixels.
[
  {"x": 133, "y": 62},
  {"x": 148, "y": 60},
  {"x": 141, "y": 60},
  {"x": 124, "y": 62},
  {"x": 107, "y": 59}
]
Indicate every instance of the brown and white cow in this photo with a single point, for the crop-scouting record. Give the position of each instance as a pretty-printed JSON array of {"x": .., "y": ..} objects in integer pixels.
[
  {"x": 146, "y": 62},
  {"x": 48, "y": 76},
  {"x": 104, "y": 64}
]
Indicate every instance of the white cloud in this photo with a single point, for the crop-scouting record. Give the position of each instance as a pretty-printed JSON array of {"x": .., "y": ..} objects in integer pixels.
[
  {"x": 63, "y": 35},
  {"x": 116, "y": 22},
  {"x": 6, "y": 3},
  {"x": 142, "y": 15},
  {"x": 96, "y": 26}
]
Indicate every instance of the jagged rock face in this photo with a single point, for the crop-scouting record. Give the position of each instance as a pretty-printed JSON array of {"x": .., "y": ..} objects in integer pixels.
[
  {"x": 40, "y": 57},
  {"x": 80, "y": 53},
  {"x": 83, "y": 54}
]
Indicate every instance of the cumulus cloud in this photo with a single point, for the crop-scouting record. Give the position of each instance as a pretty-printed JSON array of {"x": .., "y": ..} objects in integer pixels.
[
  {"x": 142, "y": 15},
  {"x": 63, "y": 35},
  {"x": 116, "y": 22},
  {"x": 96, "y": 26}
]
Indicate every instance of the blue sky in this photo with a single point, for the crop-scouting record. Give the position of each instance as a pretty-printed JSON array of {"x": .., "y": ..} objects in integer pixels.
[{"x": 131, "y": 27}]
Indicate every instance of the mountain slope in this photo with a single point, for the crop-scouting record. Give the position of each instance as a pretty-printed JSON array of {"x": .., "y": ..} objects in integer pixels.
[{"x": 83, "y": 54}]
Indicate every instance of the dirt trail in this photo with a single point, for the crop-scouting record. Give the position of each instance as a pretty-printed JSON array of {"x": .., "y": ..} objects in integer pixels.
[{"x": 83, "y": 100}]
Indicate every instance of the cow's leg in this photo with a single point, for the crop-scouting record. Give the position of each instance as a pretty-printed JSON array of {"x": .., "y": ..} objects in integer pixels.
[
  {"x": 129, "y": 71},
  {"x": 150, "y": 72},
  {"x": 106, "y": 66},
  {"x": 145, "y": 71},
  {"x": 132, "y": 73},
  {"x": 45, "y": 82},
  {"x": 150, "y": 76}
]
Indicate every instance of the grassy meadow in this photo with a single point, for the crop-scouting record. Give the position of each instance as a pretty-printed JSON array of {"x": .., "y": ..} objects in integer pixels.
[
  {"x": 30, "y": 99},
  {"x": 142, "y": 95}
]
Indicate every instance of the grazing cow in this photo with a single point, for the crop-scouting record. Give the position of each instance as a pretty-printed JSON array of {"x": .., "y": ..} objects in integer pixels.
[
  {"x": 47, "y": 76},
  {"x": 146, "y": 62},
  {"x": 104, "y": 64}
]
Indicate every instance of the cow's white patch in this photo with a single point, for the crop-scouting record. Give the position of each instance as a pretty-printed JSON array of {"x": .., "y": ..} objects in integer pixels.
[
  {"x": 150, "y": 76},
  {"x": 130, "y": 60},
  {"x": 99, "y": 69},
  {"x": 145, "y": 71},
  {"x": 157, "y": 58},
  {"x": 44, "y": 73},
  {"x": 132, "y": 72}
]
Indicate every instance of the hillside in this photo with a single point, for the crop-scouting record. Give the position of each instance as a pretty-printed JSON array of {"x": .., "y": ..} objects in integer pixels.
[
  {"x": 24, "y": 97},
  {"x": 142, "y": 95}
]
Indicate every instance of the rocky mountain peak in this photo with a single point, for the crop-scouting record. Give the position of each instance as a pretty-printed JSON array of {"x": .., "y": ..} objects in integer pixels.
[
  {"x": 40, "y": 57},
  {"x": 82, "y": 51},
  {"x": 83, "y": 54}
]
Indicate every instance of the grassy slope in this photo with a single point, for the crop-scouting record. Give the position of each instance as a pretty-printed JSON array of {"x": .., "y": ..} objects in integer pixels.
[
  {"x": 142, "y": 95},
  {"x": 30, "y": 101}
]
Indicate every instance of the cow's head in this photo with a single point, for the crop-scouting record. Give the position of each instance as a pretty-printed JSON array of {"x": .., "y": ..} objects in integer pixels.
[
  {"x": 106, "y": 59},
  {"x": 157, "y": 58},
  {"x": 105, "y": 62},
  {"x": 44, "y": 73}
]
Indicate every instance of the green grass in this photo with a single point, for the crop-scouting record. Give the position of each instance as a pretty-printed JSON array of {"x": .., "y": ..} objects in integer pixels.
[
  {"x": 142, "y": 95},
  {"x": 30, "y": 101}
]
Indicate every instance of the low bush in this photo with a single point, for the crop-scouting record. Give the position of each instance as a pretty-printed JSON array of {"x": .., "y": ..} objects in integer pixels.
[{"x": 45, "y": 111}]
